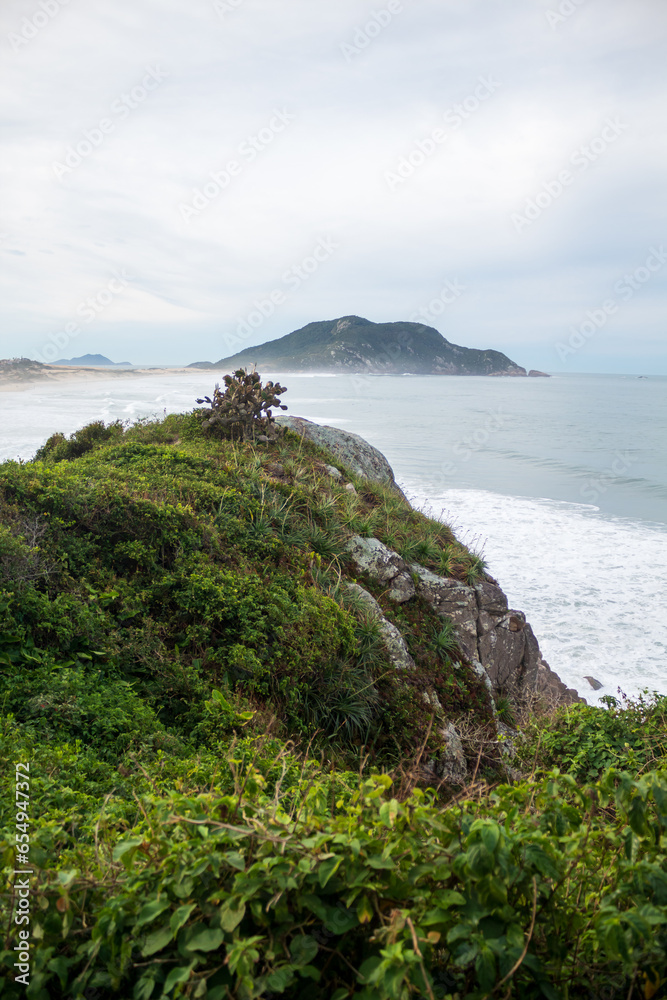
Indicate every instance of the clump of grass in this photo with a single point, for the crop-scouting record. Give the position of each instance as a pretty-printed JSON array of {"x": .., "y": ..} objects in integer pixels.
[
  {"x": 445, "y": 642},
  {"x": 342, "y": 701},
  {"x": 369, "y": 637},
  {"x": 328, "y": 543},
  {"x": 475, "y": 568},
  {"x": 505, "y": 710},
  {"x": 421, "y": 550},
  {"x": 446, "y": 561}
]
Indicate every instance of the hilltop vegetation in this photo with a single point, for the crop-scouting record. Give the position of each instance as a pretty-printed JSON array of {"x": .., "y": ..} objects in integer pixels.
[
  {"x": 353, "y": 344},
  {"x": 228, "y": 776},
  {"x": 21, "y": 369}
]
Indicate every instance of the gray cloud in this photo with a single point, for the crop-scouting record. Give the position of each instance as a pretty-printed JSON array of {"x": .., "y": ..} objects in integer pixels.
[{"x": 186, "y": 90}]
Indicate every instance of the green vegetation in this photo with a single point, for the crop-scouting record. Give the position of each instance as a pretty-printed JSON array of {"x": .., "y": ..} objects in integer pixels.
[
  {"x": 353, "y": 344},
  {"x": 228, "y": 785},
  {"x": 585, "y": 740}
]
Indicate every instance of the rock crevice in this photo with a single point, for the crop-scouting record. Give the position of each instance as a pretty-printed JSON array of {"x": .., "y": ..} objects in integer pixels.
[{"x": 488, "y": 631}]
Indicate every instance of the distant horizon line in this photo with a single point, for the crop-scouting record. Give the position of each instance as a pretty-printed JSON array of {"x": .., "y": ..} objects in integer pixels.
[{"x": 164, "y": 364}]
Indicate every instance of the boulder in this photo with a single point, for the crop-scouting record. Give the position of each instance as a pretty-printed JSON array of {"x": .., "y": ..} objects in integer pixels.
[
  {"x": 496, "y": 641},
  {"x": 370, "y": 556},
  {"x": 502, "y": 643},
  {"x": 452, "y": 766},
  {"x": 536, "y": 679},
  {"x": 358, "y": 455},
  {"x": 451, "y": 599}
]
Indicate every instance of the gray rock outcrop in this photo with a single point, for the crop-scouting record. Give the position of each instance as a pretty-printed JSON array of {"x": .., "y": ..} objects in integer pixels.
[
  {"x": 497, "y": 641},
  {"x": 394, "y": 643},
  {"x": 370, "y": 556},
  {"x": 358, "y": 455}
]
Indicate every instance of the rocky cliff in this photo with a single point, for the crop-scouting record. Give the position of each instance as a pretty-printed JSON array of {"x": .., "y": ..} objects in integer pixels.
[{"x": 497, "y": 641}]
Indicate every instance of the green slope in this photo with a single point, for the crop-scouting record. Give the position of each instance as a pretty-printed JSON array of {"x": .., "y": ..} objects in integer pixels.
[{"x": 353, "y": 344}]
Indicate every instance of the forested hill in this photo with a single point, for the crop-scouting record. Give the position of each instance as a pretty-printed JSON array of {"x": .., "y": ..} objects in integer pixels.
[{"x": 352, "y": 344}]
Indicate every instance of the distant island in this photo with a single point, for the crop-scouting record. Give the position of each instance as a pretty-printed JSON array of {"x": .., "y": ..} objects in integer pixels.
[
  {"x": 93, "y": 359},
  {"x": 355, "y": 345}
]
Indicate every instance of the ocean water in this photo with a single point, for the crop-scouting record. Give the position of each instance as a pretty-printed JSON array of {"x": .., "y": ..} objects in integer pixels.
[{"x": 560, "y": 483}]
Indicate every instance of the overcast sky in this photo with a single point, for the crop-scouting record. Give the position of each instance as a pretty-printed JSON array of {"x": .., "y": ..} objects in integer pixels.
[{"x": 183, "y": 178}]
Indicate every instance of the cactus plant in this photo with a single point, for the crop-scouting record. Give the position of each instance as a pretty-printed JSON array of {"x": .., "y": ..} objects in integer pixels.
[{"x": 243, "y": 410}]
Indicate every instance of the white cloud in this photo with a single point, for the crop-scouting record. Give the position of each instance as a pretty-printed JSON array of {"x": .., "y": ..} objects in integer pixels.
[{"x": 324, "y": 174}]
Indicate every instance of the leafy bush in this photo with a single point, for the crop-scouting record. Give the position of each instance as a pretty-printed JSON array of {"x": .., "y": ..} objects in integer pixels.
[
  {"x": 244, "y": 409},
  {"x": 584, "y": 740},
  {"x": 539, "y": 890},
  {"x": 58, "y": 448}
]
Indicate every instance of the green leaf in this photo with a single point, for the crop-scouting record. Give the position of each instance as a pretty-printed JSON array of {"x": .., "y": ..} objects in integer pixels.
[
  {"x": 120, "y": 850},
  {"x": 485, "y": 967},
  {"x": 378, "y": 862},
  {"x": 180, "y": 916},
  {"x": 231, "y": 914},
  {"x": 445, "y": 898},
  {"x": 60, "y": 966},
  {"x": 280, "y": 979},
  {"x": 65, "y": 877},
  {"x": 143, "y": 990},
  {"x": 490, "y": 837},
  {"x": 327, "y": 869},
  {"x": 539, "y": 859},
  {"x": 235, "y": 859},
  {"x": 615, "y": 941},
  {"x": 206, "y": 939},
  {"x": 389, "y": 811},
  {"x": 303, "y": 949},
  {"x": 156, "y": 941},
  {"x": 181, "y": 974},
  {"x": 152, "y": 910}
]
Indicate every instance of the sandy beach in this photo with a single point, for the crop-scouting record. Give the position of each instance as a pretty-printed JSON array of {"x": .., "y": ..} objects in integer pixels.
[{"x": 13, "y": 378}]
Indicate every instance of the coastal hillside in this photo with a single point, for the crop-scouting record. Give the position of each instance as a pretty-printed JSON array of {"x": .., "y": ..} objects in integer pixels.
[
  {"x": 352, "y": 344},
  {"x": 270, "y": 731}
]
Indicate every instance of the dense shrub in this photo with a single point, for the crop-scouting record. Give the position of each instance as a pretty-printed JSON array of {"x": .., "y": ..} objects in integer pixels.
[
  {"x": 584, "y": 740},
  {"x": 539, "y": 890},
  {"x": 58, "y": 448}
]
